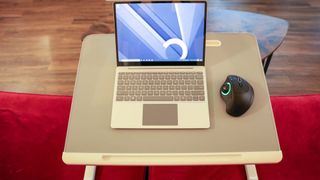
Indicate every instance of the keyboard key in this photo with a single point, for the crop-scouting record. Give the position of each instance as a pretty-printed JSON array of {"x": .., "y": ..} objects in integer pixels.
[
  {"x": 158, "y": 98},
  {"x": 155, "y": 76},
  {"x": 200, "y": 82},
  {"x": 195, "y": 98},
  {"x": 198, "y": 87},
  {"x": 197, "y": 92},
  {"x": 120, "y": 82},
  {"x": 121, "y": 88},
  {"x": 119, "y": 98},
  {"x": 122, "y": 92},
  {"x": 201, "y": 98},
  {"x": 199, "y": 76}
]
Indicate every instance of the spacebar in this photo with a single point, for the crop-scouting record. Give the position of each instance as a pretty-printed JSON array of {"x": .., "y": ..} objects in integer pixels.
[{"x": 158, "y": 98}]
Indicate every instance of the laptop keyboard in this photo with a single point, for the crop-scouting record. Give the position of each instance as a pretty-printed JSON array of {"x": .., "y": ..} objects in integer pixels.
[{"x": 160, "y": 86}]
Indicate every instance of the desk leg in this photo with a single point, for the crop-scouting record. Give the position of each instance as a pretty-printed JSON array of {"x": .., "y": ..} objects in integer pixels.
[
  {"x": 89, "y": 173},
  {"x": 146, "y": 173},
  {"x": 251, "y": 172},
  {"x": 266, "y": 63}
]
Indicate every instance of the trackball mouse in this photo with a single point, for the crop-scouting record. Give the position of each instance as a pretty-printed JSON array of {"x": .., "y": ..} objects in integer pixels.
[{"x": 238, "y": 95}]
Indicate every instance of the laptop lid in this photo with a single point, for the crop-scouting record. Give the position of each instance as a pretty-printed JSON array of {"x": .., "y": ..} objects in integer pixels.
[{"x": 160, "y": 33}]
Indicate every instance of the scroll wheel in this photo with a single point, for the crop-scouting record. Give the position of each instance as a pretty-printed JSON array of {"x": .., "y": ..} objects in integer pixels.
[{"x": 239, "y": 80}]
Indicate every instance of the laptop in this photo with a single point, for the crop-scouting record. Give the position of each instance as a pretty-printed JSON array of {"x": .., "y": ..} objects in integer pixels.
[{"x": 160, "y": 80}]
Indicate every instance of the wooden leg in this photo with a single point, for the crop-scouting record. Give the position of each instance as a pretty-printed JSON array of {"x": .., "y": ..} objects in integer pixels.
[
  {"x": 267, "y": 62},
  {"x": 251, "y": 172},
  {"x": 89, "y": 173}
]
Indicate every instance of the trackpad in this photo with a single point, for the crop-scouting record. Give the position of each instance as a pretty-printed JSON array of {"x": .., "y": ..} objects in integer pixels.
[{"x": 160, "y": 114}]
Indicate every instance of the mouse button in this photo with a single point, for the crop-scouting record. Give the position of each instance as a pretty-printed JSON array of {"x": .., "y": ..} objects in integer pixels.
[{"x": 232, "y": 78}]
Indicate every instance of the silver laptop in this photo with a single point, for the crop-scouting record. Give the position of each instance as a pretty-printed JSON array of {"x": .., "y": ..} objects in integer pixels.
[{"x": 160, "y": 76}]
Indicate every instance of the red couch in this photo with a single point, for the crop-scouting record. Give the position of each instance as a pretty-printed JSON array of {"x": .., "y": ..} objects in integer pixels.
[{"x": 33, "y": 129}]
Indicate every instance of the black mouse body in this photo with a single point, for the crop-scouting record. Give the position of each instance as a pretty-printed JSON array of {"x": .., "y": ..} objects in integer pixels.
[{"x": 238, "y": 95}]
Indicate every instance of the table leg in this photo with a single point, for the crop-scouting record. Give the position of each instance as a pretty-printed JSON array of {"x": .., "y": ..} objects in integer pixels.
[
  {"x": 89, "y": 173},
  {"x": 251, "y": 172},
  {"x": 266, "y": 62},
  {"x": 146, "y": 173}
]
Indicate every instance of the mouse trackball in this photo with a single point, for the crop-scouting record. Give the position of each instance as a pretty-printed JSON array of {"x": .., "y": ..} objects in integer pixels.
[{"x": 238, "y": 95}]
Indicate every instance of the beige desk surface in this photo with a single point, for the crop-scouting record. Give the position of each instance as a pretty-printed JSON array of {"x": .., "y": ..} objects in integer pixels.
[{"x": 251, "y": 138}]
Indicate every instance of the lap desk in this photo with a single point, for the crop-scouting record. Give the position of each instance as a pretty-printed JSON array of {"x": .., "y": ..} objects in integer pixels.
[{"x": 251, "y": 138}]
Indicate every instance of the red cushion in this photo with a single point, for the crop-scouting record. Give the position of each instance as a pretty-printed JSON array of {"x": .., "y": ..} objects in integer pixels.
[
  {"x": 33, "y": 128},
  {"x": 32, "y": 135},
  {"x": 298, "y": 124}
]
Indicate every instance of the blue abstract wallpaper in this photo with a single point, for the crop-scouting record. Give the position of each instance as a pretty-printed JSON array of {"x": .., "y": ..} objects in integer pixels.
[{"x": 160, "y": 31}]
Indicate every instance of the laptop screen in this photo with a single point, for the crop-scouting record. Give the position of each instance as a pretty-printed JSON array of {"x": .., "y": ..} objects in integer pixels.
[{"x": 163, "y": 32}]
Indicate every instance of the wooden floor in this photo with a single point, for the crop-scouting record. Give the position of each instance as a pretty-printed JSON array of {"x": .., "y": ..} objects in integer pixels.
[{"x": 40, "y": 42}]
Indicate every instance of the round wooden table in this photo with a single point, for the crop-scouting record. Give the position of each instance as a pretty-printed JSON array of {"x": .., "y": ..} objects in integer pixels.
[{"x": 270, "y": 31}]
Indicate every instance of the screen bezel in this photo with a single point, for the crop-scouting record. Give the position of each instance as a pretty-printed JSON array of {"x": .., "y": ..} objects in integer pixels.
[{"x": 152, "y": 63}]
